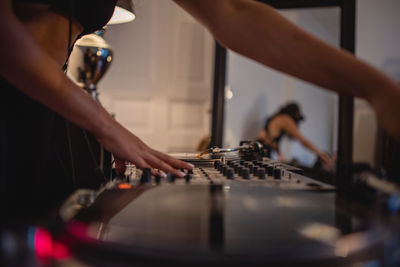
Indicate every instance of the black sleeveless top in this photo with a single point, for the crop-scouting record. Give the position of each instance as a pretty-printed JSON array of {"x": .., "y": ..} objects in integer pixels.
[
  {"x": 91, "y": 14},
  {"x": 39, "y": 163},
  {"x": 266, "y": 128}
]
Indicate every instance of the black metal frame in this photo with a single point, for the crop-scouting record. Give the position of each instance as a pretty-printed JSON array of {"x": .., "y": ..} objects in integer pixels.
[
  {"x": 217, "y": 124},
  {"x": 346, "y": 103}
]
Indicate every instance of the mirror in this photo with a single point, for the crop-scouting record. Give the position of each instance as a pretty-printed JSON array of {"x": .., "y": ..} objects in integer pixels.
[{"x": 254, "y": 92}]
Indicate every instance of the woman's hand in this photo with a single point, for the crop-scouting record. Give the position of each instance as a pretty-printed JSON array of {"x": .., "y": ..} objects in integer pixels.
[
  {"x": 21, "y": 51},
  {"x": 125, "y": 145},
  {"x": 327, "y": 162}
]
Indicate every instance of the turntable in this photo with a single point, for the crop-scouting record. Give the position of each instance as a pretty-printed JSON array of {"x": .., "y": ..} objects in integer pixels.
[{"x": 228, "y": 211}]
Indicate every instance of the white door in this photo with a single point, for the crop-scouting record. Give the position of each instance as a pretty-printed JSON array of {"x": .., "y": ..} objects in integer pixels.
[{"x": 160, "y": 81}]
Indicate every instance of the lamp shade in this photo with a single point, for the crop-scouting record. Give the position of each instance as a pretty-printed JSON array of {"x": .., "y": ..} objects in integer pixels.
[{"x": 123, "y": 12}]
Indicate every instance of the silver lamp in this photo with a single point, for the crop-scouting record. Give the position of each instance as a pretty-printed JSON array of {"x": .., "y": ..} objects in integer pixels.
[{"x": 93, "y": 55}]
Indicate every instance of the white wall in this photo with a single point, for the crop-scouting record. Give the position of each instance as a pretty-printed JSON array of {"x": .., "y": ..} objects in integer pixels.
[
  {"x": 259, "y": 91},
  {"x": 160, "y": 81},
  {"x": 378, "y": 43}
]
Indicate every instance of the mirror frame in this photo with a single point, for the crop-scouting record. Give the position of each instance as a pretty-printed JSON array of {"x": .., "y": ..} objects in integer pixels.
[{"x": 346, "y": 103}]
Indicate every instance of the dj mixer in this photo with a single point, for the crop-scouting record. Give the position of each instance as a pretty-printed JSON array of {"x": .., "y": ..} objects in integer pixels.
[
  {"x": 230, "y": 210},
  {"x": 234, "y": 208}
]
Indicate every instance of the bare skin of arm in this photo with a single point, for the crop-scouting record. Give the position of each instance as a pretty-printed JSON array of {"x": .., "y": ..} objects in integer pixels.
[
  {"x": 47, "y": 84},
  {"x": 266, "y": 139},
  {"x": 263, "y": 136},
  {"x": 259, "y": 32},
  {"x": 288, "y": 125}
]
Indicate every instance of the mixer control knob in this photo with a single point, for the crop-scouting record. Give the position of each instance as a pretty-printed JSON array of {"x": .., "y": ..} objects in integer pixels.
[
  {"x": 236, "y": 168},
  {"x": 241, "y": 162},
  {"x": 230, "y": 173},
  {"x": 277, "y": 173},
  {"x": 171, "y": 177},
  {"x": 224, "y": 172},
  {"x": 224, "y": 169},
  {"x": 251, "y": 166},
  {"x": 270, "y": 170},
  {"x": 261, "y": 173},
  {"x": 255, "y": 170},
  {"x": 221, "y": 168},
  {"x": 190, "y": 171},
  {"x": 264, "y": 165},
  {"x": 216, "y": 164},
  {"x": 158, "y": 179},
  {"x": 246, "y": 173},
  {"x": 240, "y": 168},
  {"x": 188, "y": 177},
  {"x": 146, "y": 176}
]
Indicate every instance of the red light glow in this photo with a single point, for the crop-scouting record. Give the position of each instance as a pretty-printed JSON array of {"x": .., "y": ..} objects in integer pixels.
[
  {"x": 43, "y": 243},
  {"x": 60, "y": 251},
  {"x": 46, "y": 248}
]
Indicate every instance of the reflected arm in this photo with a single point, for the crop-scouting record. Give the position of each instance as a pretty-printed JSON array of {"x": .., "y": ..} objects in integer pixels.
[{"x": 291, "y": 128}]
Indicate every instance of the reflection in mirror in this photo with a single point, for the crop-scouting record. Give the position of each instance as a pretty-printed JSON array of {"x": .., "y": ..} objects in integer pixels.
[{"x": 254, "y": 93}]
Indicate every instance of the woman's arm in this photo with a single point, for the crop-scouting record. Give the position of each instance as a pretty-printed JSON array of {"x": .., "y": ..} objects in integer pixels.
[
  {"x": 259, "y": 32},
  {"x": 290, "y": 127},
  {"x": 263, "y": 137},
  {"x": 25, "y": 65}
]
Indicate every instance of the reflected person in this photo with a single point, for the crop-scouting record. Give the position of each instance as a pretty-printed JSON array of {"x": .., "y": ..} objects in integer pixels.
[{"x": 286, "y": 122}]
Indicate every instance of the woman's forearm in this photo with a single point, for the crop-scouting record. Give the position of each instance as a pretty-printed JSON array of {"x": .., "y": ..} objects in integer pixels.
[
  {"x": 259, "y": 32},
  {"x": 30, "y": 69}
]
